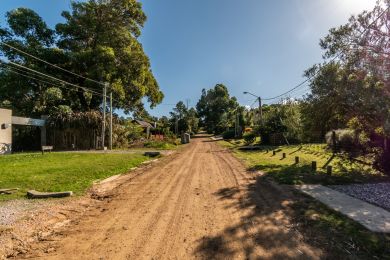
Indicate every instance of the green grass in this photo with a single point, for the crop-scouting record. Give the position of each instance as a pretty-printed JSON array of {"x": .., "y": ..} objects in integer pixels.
[
  {"x": 61, "y": 171},
  {"x": 160, "y": 145},
  {"x": 320, "y": 225},
  {"x": 287, "y": 172}
]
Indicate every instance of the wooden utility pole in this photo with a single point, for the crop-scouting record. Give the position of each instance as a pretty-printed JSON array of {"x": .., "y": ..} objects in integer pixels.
[
  {"x": 237, "y": 124},
  {"x": 260, "y": 113},
  {"x": 176, "y": 126},
  {"x": 104, "y": 113},
  {"x": 110, "y": 120}
]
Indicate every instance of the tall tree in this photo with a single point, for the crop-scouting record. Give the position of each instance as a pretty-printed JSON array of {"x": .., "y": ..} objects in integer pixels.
[
  {"x": 27, "y": 95},
  {"x": 213, "y": 108},
  {"x": 98, "y": 40},
  {"x": 101, "y": 37},
  {"x": 356, "y": 84}
]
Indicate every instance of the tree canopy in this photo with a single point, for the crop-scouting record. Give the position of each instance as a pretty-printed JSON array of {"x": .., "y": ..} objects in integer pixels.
[
  {"x": 356, "y": 84},
  {"x": 98, "y": 40},
  {"x": 213, "y": 108}
]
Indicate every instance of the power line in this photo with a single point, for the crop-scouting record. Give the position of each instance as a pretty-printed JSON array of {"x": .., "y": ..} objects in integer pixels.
[
  {"x": 289, "y": 91},
  {"x": 51, "y": 64},
  {"x": 333, "y": 59},
  {"x": 45, "y": 76},
  {"x": 51, "y": 77},
  {"x": 39, "y": 80},
  {"x": 253, "y": 103},
  {"x": 21, "y": 70}
]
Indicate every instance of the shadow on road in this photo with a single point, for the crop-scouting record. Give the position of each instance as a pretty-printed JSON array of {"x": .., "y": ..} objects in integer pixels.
[
  {"x": 279, "y": 223},
  {"x": 265, "y": 230}
]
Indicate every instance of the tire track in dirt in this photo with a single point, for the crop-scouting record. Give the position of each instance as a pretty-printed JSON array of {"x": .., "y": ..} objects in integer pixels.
[
  {"x": 199, "y": 204},
  {"x": 145, "y": 216}
]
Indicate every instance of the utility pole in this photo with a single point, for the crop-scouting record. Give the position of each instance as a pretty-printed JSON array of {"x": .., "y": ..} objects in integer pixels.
[
  {"x": 237, "y": 125},
  {"x": 110, "y": 120},
  {"x": 104, "y": 113},
  {"x": 260, "y": 108},
  {"x": 260, "y": 113},
  {"x": 176, "y": 125}
]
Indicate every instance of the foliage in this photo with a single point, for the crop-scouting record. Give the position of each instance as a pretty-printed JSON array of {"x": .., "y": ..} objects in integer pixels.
[
  {"x": 164, "y": 145},
  {"x": 62, "y": 171},
  {"x": 345, "y": 140},
  {"x": 184, "y": 119},
  {"x": 335, "y": 99},
  {"x": 271, "y": 123},
  {"x": 249, "y": 138},
  {"x": 192, "y": 121},
  {"x": 229, "y": 134},
  {"x": 126, "y": 133},
  {"x": 98, "y": 39},
  {"x": 354, "y": 89},
  {"x": 213, "y": 109},
  {"x": 285, "y": 171}
]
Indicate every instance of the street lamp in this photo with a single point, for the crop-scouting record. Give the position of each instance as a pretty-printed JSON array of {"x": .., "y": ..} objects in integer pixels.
[{"x": 260, "y": 108}]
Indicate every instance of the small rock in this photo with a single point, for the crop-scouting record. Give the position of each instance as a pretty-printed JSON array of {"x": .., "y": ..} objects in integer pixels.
[{"x": 50, "y": 250}]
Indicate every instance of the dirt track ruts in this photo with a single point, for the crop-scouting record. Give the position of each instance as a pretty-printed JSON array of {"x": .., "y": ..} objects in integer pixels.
[{"x": 200, "y": 204}]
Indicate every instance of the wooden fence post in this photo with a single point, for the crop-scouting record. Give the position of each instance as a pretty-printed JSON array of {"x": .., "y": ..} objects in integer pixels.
[
  {"x": 314, "y": 165},
  {"x": 283, "y": 155},
  {"x": 329, "y": 170}
]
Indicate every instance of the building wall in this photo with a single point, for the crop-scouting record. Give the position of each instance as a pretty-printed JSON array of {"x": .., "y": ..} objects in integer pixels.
[{"x": 5, "y": 131}]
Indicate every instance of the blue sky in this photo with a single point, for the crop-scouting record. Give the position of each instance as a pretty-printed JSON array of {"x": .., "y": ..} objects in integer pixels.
[{"x": 260, "y": 46}]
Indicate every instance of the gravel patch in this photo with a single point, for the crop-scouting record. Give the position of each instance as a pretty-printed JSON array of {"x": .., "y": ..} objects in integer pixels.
[
  {"x": 13, "y": 210},
  {"x": 375, "y": 193}
]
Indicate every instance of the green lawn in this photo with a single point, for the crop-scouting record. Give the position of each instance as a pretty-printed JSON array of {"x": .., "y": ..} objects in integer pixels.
[
  {"x": 61, "y": 171},
  {"x": 339, "y": 234},
  {"x": 286, "y": 171}
]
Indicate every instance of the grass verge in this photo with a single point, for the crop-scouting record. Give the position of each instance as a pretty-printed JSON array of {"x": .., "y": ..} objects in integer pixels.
[
  {"x": 341, "y": 236},
  {"x": 161, "y": 145},
  {"x": 61, "y": 171},
  {"x": 286, "y": 171}
]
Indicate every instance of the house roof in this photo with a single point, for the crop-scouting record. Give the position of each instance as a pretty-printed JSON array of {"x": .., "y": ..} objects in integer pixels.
[{"x": 144, "y": 124}]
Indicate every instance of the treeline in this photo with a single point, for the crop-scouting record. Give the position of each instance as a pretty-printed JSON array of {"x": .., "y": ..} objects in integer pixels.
[
  {"x": 97, "y": 42},
  {"x": 348, "y": 102}
]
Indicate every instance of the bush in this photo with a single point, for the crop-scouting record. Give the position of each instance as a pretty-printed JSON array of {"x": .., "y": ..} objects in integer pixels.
[
  {"x": 229, "y": 134},
  {"x": 249, "y": 138},
  {"x": 159, "y": 145},
  {"x": 346, "y": 140}
]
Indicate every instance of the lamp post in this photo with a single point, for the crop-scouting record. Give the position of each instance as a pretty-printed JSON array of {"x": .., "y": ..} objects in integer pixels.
[
  {"x": 260, "y": 108},
  {"x": 236, "y": 124}
]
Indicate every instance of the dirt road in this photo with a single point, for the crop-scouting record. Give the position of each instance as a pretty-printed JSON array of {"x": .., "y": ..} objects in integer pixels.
[{"x": 199, "y": 204}]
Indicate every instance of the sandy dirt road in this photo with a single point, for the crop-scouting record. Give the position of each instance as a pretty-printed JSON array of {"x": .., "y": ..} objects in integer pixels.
[{"x": 199, "y": 204}]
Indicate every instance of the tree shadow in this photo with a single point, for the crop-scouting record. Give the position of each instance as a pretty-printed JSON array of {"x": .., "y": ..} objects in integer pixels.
[
  {"x": 277, "y": 223},
  {"x": 297, "y": 150},
  {"x": 211, "y": 140},
  {"x": 328, "y": 161},
  {"x": 263, "y": 231},
  {"x": 227, "y": 193}
]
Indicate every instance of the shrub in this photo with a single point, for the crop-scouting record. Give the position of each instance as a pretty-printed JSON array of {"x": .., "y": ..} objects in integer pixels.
[
  {"x": 250, "y": 138},
  {"x": 229, "y": 134},
  {"x": 346, "y": 140},
  {"x": 159, "y": 145}
]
